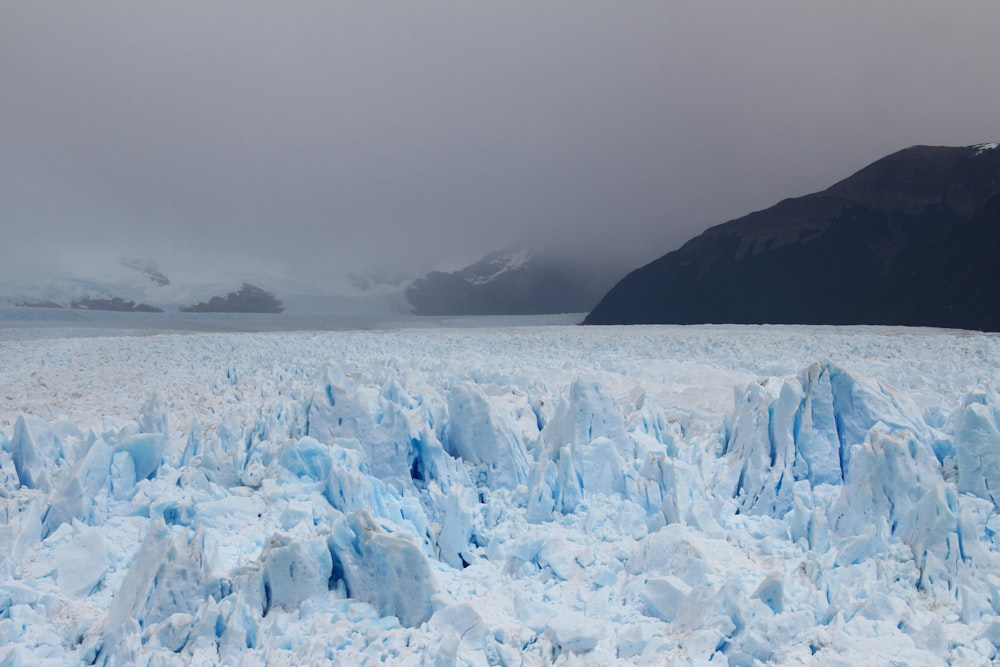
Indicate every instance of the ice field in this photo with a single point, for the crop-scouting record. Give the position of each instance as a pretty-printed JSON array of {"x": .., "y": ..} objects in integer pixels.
[{"x": 500, "y": 496}]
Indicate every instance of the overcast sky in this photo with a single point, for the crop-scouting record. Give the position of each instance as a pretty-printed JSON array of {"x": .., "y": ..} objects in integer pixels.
[{"x": 311, "y": 137}]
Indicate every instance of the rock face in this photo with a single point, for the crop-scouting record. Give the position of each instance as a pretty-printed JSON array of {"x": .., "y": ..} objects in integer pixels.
[
  {"x": 912, "y": 239},
  {"x": 249, "y": 299},
  {"x": 514, "y": 282}
]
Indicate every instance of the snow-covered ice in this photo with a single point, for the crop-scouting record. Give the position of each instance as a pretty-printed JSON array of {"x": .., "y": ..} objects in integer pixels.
[{"x": 524, "y": 496}]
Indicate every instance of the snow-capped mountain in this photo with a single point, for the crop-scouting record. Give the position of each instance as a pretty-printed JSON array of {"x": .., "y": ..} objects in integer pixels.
[
  {"x": 492, "y": 267},
  {"x": 141, "y": 285},
  {"x": 122, "y": 284},
  {"x": 512, "y": 282},
  {"x": 912, "y": 239}
]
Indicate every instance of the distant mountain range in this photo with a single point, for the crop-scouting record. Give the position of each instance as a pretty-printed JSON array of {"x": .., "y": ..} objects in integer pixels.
[
  {"x": 512, "y": 282},
  {"x": 129, "y": 279},
  {"x": 912, "y": 239}
]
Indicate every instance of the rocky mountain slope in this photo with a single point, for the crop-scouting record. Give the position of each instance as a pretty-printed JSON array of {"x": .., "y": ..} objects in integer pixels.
[{"x": 912, "y": 239}]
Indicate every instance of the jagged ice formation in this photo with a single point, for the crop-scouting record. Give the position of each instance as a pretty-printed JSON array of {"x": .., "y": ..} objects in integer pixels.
[{"x": 722, "y": 495}]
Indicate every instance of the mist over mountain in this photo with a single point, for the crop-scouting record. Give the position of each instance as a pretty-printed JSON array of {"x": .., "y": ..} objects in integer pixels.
[
  {"x": 514, "y": 282},
  {"x": 912, "y": 239},
  {"x": 130, "y": 284},
  {"x": 344, "y": 138}
]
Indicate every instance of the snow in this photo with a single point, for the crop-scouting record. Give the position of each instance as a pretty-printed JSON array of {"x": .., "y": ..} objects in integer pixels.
[
  {"x": 486, "y": 496},
  {"x": 496, "y": 265}
]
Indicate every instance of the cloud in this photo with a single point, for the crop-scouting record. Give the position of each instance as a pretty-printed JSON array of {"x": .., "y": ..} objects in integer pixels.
[{"x": 318, "y": 137}]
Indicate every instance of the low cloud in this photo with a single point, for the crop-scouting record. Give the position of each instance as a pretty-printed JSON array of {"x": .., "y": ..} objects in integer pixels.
[{"x": 318, "y": 138}]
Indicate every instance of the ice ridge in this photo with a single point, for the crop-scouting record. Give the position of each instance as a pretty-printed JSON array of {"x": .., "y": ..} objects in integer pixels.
[{"x": 383, "y": 508}]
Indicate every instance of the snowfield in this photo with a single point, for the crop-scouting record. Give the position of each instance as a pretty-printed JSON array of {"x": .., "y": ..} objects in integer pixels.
[{"x": 525, "y": 496}]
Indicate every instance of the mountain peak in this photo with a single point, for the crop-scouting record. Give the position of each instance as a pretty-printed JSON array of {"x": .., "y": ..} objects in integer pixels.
[
  {"x": 911, "y": 239},
  {"x": 515, "y": 281},
  {"x": 494, "y": 265},
  {"x": 918, "y": 177}
]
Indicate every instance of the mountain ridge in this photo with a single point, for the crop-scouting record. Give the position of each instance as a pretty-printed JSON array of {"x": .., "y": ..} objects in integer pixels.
[
  {"x": 854, "y": 253},
  {"x": 516, "y": 281}
]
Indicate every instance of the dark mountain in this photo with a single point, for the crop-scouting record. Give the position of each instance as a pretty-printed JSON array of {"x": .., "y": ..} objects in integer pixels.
[
  {"x": 38, "y": 304},
  {"x": 513, "y": 282},
  {"x": 249, "y": 299},
  {"x": 912, "y": 239},
  {"x": 116, "y": 304}
]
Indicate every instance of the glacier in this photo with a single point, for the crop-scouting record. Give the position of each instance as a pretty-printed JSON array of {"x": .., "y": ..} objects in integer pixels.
[{"x": 547, "y": 495}]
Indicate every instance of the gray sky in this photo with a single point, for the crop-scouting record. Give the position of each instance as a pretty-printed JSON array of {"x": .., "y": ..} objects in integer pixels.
[{"x": 314, "y": 137}]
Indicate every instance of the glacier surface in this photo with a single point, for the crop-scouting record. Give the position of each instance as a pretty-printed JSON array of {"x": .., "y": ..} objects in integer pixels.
[{"x": 525, "y": 496}]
